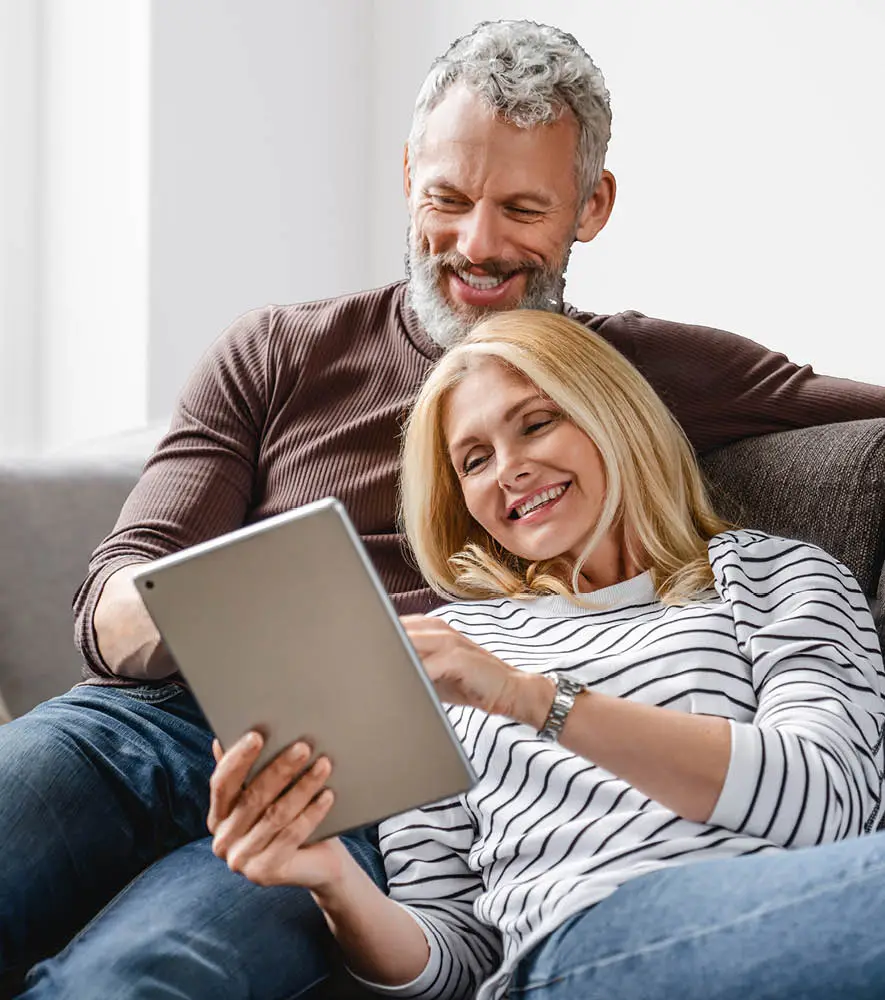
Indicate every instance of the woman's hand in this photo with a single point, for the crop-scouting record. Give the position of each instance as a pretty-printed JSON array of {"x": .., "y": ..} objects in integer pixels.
[
  {"x": 260, "y": 831},
  {"x": 464, "y": 673}
]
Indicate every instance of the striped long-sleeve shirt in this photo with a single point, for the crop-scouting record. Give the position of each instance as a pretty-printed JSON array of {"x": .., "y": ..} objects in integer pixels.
[{"x": 785, "y": 649}]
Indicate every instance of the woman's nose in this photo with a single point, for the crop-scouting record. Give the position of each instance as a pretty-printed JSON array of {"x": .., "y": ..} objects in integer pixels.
[{"x": 512, "y": 468}]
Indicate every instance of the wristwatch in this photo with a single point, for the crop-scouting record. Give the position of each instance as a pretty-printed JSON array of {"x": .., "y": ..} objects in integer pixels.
[{"x": 567, "y": 691}]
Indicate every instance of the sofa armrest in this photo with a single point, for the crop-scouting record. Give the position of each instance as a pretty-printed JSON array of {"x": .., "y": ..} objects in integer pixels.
[
  {"x": 824, "y": 485},
  {"x": 54, "y": 510}
]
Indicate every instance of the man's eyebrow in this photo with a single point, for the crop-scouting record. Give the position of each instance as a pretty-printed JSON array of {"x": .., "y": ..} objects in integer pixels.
[
  {"x": 508, "y": 416},
  {"x": 441, "y": 184},
  {"x": 535, "y": 197}
]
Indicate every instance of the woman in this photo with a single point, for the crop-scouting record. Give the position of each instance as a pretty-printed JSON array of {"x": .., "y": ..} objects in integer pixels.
[{"x": 639, "y": 688}]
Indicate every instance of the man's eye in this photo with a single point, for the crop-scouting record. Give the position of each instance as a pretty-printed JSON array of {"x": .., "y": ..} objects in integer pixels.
[
  {"x": 446, "y": 201},
  {"x": 524, "y": 212}
]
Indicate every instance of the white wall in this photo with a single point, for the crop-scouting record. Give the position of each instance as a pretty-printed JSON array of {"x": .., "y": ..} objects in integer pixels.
[
  {"x": 167, "y": 166},
  {"x": 19, "y": 100},
  {"x": 92, "y": 319},
  {"x": 748, "y": 149},
  {"x": 260, "y": 127}
]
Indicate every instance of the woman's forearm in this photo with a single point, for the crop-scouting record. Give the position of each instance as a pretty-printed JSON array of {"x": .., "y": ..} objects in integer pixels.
[
  {"x": 676, "y": 758},
  {"x": 380, "y": 940}
]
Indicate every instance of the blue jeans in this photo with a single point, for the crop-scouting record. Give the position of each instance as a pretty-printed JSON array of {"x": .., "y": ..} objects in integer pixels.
[
  {"x": 804, "y": 924},
  {"x": 106, "y": 871}
]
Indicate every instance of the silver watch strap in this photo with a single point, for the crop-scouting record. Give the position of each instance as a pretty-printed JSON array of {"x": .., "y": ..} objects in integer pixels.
[{"x": 567, "y": 690}]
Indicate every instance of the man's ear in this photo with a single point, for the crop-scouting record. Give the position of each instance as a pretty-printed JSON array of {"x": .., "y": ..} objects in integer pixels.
[
  {"x": 407, "y": 173},
  {"x": 597, "y": 209}
]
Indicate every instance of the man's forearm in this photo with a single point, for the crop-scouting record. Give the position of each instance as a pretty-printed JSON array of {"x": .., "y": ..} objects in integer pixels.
[
  {"x": 381, "y": 942},
  {"x": 127, "y": 638}
]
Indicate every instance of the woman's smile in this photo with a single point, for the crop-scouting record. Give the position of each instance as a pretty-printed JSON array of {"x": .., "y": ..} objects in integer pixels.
[{"x": 537, "y": 505}]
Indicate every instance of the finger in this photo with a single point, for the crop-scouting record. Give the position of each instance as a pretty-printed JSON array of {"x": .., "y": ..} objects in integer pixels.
[
  {"x": 283, "y": 862},
  {"x": 217, "y": 752},
  {"x": 284, "y": 814},
  {"x": 230, "y": 772},
  {"x": 260, "y": 794},
  {"x": 423, "y": 636}
]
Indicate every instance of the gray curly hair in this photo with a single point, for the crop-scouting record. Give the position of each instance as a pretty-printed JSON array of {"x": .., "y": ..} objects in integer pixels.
[{"x": 528, "y": 74}]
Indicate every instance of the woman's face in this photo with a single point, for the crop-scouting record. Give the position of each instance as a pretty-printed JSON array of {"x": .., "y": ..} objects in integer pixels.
[{"x": 529, "y": 476}]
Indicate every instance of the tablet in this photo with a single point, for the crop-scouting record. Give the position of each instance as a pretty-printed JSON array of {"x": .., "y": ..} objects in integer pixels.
[{"x": 284, "y": 627}]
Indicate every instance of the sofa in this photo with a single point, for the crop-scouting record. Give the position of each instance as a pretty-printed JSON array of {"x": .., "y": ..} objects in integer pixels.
[{"x": 821, "y": 484}]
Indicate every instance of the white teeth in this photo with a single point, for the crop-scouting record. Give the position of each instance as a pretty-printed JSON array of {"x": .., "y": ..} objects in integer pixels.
[
  {"x": 482, "y": 282},
  {"x": 538, "y": 499}
]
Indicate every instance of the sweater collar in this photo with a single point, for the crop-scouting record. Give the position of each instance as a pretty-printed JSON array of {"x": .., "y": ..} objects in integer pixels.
[
  {"x": 414, "y": 328},
  {"x": 419, "y": 336},
  {"x": 638, "y": 590}
]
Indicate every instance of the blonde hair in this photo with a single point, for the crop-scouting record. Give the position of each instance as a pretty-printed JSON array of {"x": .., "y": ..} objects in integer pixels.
[{"x": 654, "y": 491}]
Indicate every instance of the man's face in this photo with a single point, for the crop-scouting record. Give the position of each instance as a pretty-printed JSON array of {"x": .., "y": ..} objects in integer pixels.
[{"x": 494, "y": 212}]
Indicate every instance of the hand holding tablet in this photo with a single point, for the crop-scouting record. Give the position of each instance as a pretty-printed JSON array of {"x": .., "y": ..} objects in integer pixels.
[{"x": 285, "y": 628}]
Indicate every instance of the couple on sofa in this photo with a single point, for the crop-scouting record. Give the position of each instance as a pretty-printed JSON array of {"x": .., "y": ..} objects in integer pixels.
[{"x": 639, "y": 686}]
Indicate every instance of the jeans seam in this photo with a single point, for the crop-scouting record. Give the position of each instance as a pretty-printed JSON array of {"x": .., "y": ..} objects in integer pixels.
[
  {"x": 670, "y": 941},
  {"x": 149, "y": 695}
]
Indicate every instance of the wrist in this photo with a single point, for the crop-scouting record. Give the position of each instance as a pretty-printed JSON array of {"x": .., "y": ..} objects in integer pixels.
[
  {"x": 331, "y": 890},
  {"x": 533, "y": 697}
]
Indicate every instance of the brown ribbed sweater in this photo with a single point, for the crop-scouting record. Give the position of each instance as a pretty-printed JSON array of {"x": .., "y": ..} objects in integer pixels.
[{"x": 294, "y": 403}]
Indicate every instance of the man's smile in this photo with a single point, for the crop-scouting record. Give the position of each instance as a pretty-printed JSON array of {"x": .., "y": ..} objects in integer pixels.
[{"x": 482, "y": 290}]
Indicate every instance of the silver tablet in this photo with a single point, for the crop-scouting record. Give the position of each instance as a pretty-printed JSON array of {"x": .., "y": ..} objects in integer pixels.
[{"x": 283, "y": 626}]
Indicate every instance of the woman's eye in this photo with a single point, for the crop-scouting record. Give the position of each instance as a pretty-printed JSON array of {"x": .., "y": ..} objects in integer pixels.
[
  {"x": 539, "y": 423},
  {"x": 471, "y": 464}
]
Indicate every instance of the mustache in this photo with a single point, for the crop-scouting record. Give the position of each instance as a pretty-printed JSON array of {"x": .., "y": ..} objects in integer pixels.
[{"x": 451, "y": 260}]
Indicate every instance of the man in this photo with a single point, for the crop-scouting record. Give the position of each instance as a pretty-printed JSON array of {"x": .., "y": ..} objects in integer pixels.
[{"x": 503, "y": 172}]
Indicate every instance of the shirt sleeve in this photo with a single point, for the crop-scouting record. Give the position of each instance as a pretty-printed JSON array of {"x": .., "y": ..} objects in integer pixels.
[
  {"x": 200, "y": 480},
  {"x": 808, "y": 768},
  {"x": 723, "y": 387},
  {"x": 426, "y": 858}
]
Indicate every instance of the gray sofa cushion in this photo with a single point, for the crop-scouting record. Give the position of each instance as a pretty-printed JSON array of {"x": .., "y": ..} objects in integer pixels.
[
  {"x": 821, "y": 484},
  {"x": 54, "y": 510}
]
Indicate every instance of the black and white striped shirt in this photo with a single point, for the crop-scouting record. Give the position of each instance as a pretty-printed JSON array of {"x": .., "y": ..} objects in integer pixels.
[{"x": 785, "y": 649}]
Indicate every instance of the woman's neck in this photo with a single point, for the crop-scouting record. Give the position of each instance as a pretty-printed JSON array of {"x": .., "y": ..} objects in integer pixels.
[{"x": 609, "y": 563}]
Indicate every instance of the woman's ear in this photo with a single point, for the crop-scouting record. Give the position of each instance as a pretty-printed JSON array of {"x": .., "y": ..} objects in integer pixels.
[{"x": 597, "y": 209}]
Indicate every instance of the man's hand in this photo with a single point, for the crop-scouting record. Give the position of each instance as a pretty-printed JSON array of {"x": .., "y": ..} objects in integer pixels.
[
  {"x": 261, "y": 830},
  {"x": 464, "y": 673}
]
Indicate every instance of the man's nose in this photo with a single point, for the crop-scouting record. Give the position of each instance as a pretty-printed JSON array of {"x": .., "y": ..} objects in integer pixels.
[{"x": 480, "y": 236}]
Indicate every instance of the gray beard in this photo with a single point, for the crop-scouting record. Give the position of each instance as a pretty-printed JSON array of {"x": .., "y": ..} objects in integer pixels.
[{"x": 445, "y": 325}]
